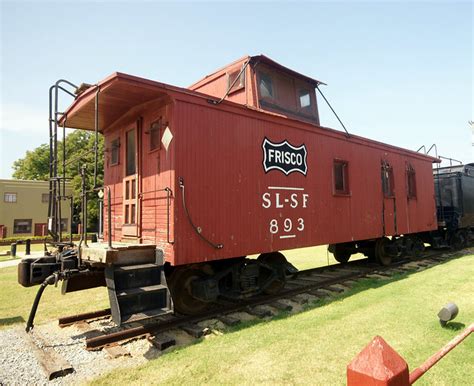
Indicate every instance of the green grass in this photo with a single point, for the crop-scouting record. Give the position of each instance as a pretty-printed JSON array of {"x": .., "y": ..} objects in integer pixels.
[
  {"x": 16, "y": 301},
  {"x": 6, "y": 258},
  {"x": 314, "y": 346}
]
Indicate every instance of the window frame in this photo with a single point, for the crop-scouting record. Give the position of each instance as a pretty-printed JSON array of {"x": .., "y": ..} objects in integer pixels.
[
  {"x": 272, "y": 97},
  {"x": 114, "y": 148},
  {"x": 300, "y": 94},
  {"x": 13, "y": 194},
  {"x": 30, "y": 221},
  {"x": 388, "y": 180},
  {"x": 411, "y": 182},
  {"x": 133, "y": 153},
  {"x": 346, "y": 191},
  {"x": 240, "y": 84}
]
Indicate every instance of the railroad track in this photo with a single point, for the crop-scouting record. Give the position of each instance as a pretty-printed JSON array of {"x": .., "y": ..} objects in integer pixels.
[{"x": 317, "y": 283}]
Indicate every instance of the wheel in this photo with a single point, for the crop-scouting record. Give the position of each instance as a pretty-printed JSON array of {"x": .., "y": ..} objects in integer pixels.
[
  {"x": 180, "y": 288},
  {"x": 418, "y": 247},
  {"x": 457, "y": 240},
  {"x": 342, "y": 255},
  {"x": 381, "y": 251},
  {"x": 277, "y": 262}
]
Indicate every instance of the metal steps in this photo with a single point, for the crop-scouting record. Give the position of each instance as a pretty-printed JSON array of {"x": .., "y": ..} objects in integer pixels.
[
  {"x": 137, "y": 292},
  {"x": 140, "y": 290}
]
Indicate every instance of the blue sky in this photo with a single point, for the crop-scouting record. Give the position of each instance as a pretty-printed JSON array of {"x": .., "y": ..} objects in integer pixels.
[{"x": 399, "y": 72}]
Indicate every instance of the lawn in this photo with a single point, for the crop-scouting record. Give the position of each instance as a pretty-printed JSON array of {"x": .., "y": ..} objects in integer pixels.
[
  {"x": 314, "y": 346},
  {"x": 16, "y": 301}
]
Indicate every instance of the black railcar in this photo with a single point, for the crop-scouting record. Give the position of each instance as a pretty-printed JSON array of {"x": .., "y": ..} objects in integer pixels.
[{"x": 454, "y": 190}]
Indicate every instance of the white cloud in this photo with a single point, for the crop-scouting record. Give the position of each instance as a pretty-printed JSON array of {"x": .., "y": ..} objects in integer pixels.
[{"x": 23, "y": 118}]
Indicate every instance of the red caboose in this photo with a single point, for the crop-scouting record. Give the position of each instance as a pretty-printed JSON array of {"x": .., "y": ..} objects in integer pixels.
[{"x": 238, "y": 164}]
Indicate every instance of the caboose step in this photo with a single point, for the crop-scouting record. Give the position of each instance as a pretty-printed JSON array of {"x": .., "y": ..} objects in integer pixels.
[
  {"x": 141, "y": 290},
  {"x": 137, "y": 292},
  {"x": 128, "y": 268}
]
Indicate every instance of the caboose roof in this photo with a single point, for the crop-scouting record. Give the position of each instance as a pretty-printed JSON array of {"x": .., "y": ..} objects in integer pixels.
[
  {"x": 118, "y": 93},
  {"x": 121, "y": 93},
  {"x": 254, "y": 60}
]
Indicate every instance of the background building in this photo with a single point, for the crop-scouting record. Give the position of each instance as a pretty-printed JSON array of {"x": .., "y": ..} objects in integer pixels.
[{"x": 24, "y": 208}]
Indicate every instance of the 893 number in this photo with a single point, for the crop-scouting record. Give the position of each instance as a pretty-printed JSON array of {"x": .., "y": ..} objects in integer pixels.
[{"x": 286, "y": 226}]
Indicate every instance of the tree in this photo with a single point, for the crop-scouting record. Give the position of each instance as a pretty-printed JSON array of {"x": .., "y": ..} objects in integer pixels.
[
  {"x": 34, "y": 166},
  {"x": 79, "y": 152}
]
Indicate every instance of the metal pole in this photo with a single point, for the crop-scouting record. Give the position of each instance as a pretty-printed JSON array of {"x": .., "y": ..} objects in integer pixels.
[
  {"x": 50, "y": 200},
  {"x": 56, "y": 221},
  {"x": 59, "y": 214},
  {"x": 109, "y": 218},
  {"x": 96, "y": 140},
  {"x": 431, "y": 361},
  {"x": 85, "y": 219},
  {"x": 64, "y": 156},
  {"x": 83, "y": 206},
  {"x": 71, "y": 211},
  {"x": 101, "y": 208},
  {"x": 334, "y": 112}
]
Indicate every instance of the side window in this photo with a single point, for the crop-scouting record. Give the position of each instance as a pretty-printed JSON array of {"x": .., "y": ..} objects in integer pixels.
[
  {"x": 304, "y": 98},
  {"x": 265, "y": 86},
  {"x": 411, "y": 182},
  {"x": 234, "y": 83},
  {"x": 388, "y": 182},
  {"x": 130, "y": 153},
  {"x": 115, "y": 152},
  {"x": 22, "y": 226},
  {"x": 341, "y": 177},
  {"x": 9, "y": 197},
  {"x": 155, "y": 134}
]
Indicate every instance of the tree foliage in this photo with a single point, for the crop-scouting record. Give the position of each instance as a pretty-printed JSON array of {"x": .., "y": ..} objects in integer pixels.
[{"x": 79, "y": 152}]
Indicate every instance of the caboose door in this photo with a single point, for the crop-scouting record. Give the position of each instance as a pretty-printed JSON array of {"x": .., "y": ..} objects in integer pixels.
[
  {"x": 131, "y": 208},
  {"x": 389, "y": 204}
]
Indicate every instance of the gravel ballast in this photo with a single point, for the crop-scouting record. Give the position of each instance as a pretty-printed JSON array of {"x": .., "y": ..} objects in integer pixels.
[{"x": 19, "y": 365}]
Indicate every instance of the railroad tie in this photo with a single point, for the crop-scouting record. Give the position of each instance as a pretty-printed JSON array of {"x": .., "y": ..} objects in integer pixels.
[
  {"x": 195, "y": 331},
  {"x": 259, "y": 312},
  {"x": 162, "y": 341},
  {"x": 116, "y": 351},
  {"x": 52, "y": 363},
  {"x": 228, "y": 320},
  {"x": 281, "y": 306}
]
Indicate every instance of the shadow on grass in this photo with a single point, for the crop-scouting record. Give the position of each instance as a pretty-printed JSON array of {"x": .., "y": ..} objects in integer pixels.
[
  {"x": 360, "y": 285},
  {"x": 11, "y": 320},
  {"x": 454, "y": 326}
]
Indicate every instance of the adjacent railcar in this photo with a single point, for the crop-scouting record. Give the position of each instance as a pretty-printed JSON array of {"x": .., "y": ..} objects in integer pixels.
[{"x": 454, "y": 189}]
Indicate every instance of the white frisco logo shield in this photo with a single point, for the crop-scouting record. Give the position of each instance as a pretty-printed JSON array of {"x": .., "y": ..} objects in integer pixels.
[{"x": 285, "y": 157}]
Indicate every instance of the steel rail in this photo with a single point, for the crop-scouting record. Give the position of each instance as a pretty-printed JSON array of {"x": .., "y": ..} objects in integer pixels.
[
  {"x": 68, "y": 320},
  {"x": 160, "y": 326}
]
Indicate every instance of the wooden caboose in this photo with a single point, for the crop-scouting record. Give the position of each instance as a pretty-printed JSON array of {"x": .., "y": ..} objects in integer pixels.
[{"x": 238, "y": 164}]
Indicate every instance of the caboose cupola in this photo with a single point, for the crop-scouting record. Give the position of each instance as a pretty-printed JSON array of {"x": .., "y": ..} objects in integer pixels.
[{"x": 261, "y": 83}]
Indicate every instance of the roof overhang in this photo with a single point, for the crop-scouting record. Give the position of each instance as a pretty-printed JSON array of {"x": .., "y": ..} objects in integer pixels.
[
  {"x": 264, "y": 59},
  {"x": 115, "y": 96}
]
